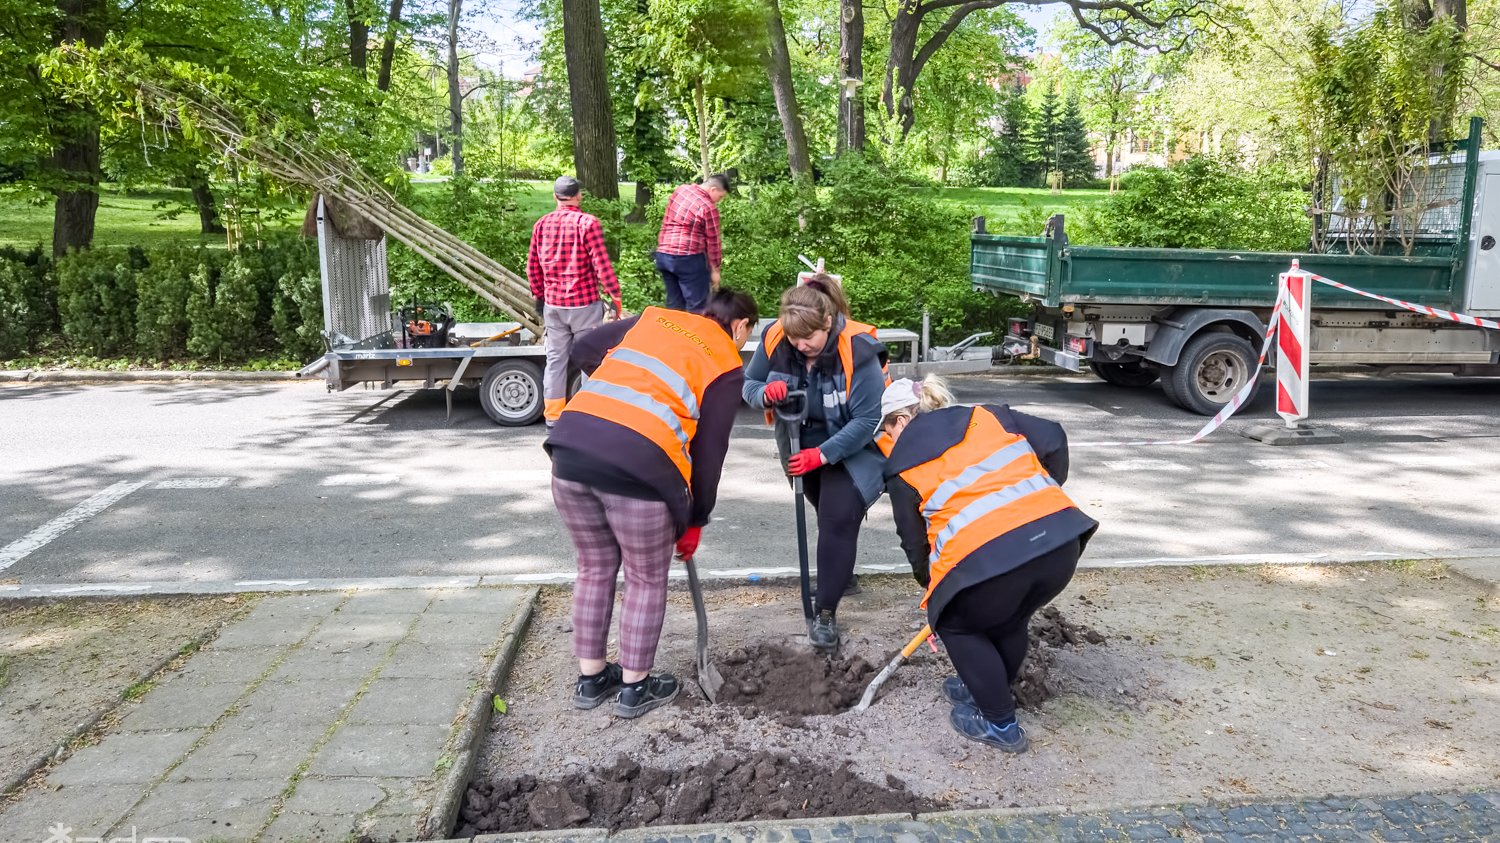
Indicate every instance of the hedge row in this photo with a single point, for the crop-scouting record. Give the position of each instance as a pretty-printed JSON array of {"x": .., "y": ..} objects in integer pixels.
[{"x": 167, "y": 303}]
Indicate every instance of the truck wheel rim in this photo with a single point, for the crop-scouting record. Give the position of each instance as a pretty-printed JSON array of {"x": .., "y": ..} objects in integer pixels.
[
  {"x": 514, "y": 394},
  {"x": 1221, "y": 375}
]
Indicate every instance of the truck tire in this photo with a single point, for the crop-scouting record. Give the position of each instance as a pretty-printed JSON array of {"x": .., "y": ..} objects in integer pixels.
[
  {"x": 1214, "y": 366},
  {"x": 511, "y": 393},
  {"x": 1125, "y": 374}
]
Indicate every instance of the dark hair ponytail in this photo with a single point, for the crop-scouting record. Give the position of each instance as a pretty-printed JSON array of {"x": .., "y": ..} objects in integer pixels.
[{"x": 728, "y": 306}]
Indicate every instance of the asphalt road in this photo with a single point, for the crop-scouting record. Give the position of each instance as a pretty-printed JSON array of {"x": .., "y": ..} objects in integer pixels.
[{"x": 212, "y": 483}]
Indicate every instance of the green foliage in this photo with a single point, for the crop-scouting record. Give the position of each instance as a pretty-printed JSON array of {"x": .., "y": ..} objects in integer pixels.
[
  {"x": 96, "y": 293},
  {"x": 163, "y": 287},
  {"x": 1074, "y": 160},
  {"x": 297, "y": 316},
  {"x": 28, "y": 300},
  {"x": 1201, "y": 203}
]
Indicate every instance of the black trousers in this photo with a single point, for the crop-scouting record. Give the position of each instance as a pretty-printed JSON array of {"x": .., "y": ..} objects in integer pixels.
[
  {"x": 841, "y": 511},
  {"x": 985, "y": 626}
]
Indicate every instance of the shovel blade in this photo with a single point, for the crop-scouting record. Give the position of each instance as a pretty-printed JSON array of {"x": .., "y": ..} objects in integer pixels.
[{"x": 710, "y": 680}]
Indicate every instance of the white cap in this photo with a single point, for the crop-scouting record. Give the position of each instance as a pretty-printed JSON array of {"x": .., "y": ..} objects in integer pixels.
[{"x": 900, "y": 395}]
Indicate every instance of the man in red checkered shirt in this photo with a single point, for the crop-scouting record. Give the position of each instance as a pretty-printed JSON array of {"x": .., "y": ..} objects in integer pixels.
[
  {"x": 570, "y": 275},
  {"x": 688, "y": 252}
]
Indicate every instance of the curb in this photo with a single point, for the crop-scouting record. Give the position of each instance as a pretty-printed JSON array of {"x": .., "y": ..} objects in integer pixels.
[
  {"x": 450, "y": 793},
  {"x": 140, "y": 376}
]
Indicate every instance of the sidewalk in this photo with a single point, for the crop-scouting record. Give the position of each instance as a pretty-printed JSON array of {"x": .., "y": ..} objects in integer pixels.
[
  {"x": 316, "y": 717},
  {"x": 1423, "y": 817}
]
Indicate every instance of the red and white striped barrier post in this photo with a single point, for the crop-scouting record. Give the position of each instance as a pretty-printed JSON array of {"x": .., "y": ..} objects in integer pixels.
[{"x": 1292, "y": 345}]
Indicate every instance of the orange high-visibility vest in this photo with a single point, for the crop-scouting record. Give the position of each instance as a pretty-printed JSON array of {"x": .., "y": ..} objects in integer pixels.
[
  {"x": 653, "y": 381},
  {"x": 980, "y": 489}
]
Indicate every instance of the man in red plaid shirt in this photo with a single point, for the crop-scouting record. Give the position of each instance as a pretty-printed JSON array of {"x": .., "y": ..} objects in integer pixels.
[
  {"x": 688, "y": 252},
  {"x": 570, "y": 275}
]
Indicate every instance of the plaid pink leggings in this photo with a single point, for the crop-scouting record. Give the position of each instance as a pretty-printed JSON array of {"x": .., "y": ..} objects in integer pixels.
[{"x": 609, "y": 530}]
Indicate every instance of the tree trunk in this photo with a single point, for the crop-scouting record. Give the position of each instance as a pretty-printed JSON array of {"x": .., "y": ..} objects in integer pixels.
[
  {"x": 1109, "y": 152},
  {"x": 851, "y": 66},
  {"x": 899, "y": 73},
  {"x": 700, "y": 103},
  {"x": 455, "y": 91},
  {"x": 75, "y": 133},
  {"x": 359, "y": 38},
  {"x": 779, "y": 64},
  {"x": 643, "y": 195},
  {"x": 388, "y": 47},
  {"x": 203, "y": 197},
  {"x": 594, "y": 148}
]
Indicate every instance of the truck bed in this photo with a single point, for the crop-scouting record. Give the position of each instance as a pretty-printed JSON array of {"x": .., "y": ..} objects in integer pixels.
[{"x": 1033, "y": 269}]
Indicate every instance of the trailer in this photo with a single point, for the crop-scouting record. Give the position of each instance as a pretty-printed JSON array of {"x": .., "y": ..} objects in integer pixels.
[
  {"x": 1194, "y": 319},
  {"x": 372, "y": 344}
]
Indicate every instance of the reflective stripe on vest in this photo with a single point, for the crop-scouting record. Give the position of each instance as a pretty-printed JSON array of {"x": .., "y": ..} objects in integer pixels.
[
  {"x": 636, "y": 387},
  {"x": 985, "y": 486}
]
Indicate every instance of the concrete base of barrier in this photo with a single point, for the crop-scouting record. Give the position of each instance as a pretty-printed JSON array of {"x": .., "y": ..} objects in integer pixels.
[{"x": 1271, "y": 434}]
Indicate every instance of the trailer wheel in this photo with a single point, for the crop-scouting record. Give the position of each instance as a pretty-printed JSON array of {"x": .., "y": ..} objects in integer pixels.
[
  {"x": 511, "y": 393},
  {"x": 1213, "y": 367},
  {"x": 1132, "y": 374}
]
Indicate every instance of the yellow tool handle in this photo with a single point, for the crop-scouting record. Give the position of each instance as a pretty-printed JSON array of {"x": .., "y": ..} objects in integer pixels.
[
  {"x": 916, "y": 642},
  {"x": 500, "y": 335}
]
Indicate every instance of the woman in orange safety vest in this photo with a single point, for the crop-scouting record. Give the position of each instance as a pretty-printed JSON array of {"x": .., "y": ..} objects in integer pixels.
[{"x": 977, "y": 497}]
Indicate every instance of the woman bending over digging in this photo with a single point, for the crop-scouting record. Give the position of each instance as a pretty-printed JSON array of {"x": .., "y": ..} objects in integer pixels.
[
  {"x": 814, "y": 347},
  {"x": 982, "y": 517},
  {"x": 636, "y": 458}
]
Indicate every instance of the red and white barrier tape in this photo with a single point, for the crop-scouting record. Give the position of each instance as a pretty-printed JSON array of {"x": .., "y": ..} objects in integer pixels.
[
  {"x": 1462, "y": 318},
  {"x": 1234, "y": 403}
]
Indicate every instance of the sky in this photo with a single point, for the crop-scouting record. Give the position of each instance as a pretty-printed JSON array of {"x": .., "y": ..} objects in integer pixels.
[{"x": 515, "y": 40}]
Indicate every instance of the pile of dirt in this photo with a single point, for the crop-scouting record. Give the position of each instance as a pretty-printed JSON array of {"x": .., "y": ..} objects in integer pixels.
[
  {"x": 791, "y": 680},
  {"x": 1050, "y": 631},
  {"x": 758, "y": 786}
]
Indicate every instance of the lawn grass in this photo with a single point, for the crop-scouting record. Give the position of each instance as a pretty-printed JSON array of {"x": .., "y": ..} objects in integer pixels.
[
  {"x": 135, "y": 217},
  {"x": 1004, "y": 207}
]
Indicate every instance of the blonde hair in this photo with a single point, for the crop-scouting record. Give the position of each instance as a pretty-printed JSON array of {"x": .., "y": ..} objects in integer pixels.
[
  {"x": 932, "y": 394},
  {"x": 806, "y": 310}
]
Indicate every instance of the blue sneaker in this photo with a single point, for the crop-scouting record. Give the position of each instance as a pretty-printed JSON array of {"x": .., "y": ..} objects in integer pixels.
[
  {"x": 957, "y": 692},
  {"x": 967, "y": 721}
]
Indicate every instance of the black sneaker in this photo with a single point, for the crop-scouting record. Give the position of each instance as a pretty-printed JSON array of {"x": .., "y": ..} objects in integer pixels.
[
  {"x": 971, "y": 724},
  {"x": 593, "y": 690},
  {"x": 640, "y": 697},
  {"x": 824, "y": 632},
  {"x": 956, "y": 692}
]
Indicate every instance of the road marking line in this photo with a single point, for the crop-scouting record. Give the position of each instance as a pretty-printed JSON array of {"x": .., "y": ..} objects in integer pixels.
[
  {"x": 1145, "y": 465},
  {"x": 259, "y": 583},
  {"x": 193, "y": 483},
  {"x": 108, "y": 589},
  {"x": 41, "y": 536},
  {"x": 360, "y": 479}
]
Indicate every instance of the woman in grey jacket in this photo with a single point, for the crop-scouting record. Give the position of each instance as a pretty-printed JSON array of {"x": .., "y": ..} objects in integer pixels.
[{"x": 815, "y": 347}]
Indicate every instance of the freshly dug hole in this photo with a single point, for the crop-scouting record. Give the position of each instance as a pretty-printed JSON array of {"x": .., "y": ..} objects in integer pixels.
[
  {"x": 1050, "y": 631},
  {"x": 792, "y": 680},
  {"x": 759, "y": 786}
]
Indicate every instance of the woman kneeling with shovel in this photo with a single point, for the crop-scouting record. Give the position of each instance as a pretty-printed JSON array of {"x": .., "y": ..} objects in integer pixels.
[
  {"x": 636, "y": 459},
  {"x": 989, "y": 533}
]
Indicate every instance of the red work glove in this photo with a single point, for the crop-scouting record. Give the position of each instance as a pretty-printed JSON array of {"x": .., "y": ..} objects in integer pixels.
[
  {"x": 775, "y": 393},
  {"x": 804, "y": 461},
  {"x": 619, "y": 310},
  {"x": 688, "y": 544}
]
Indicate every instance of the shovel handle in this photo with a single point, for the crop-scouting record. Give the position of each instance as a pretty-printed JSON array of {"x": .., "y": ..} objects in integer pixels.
[
  {"x": 916, "y": 642},
  {"x": 793, "y": 408}
]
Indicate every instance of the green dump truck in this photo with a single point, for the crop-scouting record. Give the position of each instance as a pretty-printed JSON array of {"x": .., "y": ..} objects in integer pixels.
[{"x": 1195, "y": 318}]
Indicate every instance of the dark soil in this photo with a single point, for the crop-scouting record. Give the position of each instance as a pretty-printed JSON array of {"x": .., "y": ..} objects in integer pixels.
[
  {"x": 791, "y": 680},
  {"x": 1049, "y": 632},
  {"x": 756, "y": 786}
]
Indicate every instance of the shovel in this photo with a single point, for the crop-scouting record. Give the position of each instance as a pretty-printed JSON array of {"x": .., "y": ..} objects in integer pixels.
[
  {"x": 869, "y": 697},
  {"x": 709, "y": 678},
  {"x": 792, "y": 412}
]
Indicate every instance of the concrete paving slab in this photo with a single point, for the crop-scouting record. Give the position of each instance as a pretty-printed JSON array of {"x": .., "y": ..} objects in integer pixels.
[
  {"x": 417, "y": 701},
  {"x": 215, "y": 665},
  {"x": 292, "y": 703},
  {"x": 1484, "y": 570},
  {"x": 237, "y": 752},
  {"x": 306, "y": 828},
  {"x": 181, "y": 703},
  {"x": 493, "y": 603},
  {"x": 351, "y": 796},
  {"x": 403, "y": 602},
  {"x": 201, "y": 811},
  {"x": 400, "y": 751},
  {"x": 363, "y": 630},
  {"x": 422, "y": 662},
  {"x": 89, "y": 812},
  {"x": 345, "y": 662},
  {"x": 134, "y": 758},
  {"x": 266, "y": 631},
  {"x": 458, "y": 630},
  {"x": 293, "y": 607}
]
